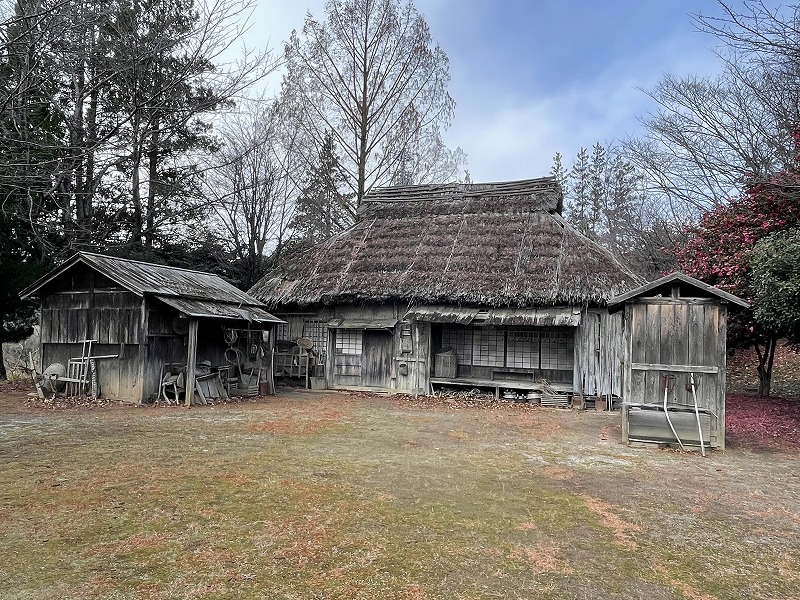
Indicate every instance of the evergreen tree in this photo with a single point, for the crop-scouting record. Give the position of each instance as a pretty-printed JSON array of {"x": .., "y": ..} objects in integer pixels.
[
  {"x": 322, "y": 210},
  {"x": 559, "y": 173},
  {"x": 598, "y": 191},
  {"x": 578, "y": 208}
]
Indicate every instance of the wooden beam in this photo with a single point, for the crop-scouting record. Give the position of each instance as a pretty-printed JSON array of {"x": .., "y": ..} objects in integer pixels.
[
  {"x": 191, "y": 358},
  {"x": 674, "y": 368},
  {"x": 143, "y": 353}
]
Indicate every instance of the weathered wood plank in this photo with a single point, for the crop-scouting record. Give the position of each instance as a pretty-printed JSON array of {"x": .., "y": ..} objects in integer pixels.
[
  {"x": 673, "y": 368},
  {"x": 681, "y": 354},
  {"x": 721, "y": 318},
  {"x": 638, "y": 393},
  {"x": 191, "y": 359},
  {"x": 653, "y": 387},
  {"x": 696, "y": 335}
]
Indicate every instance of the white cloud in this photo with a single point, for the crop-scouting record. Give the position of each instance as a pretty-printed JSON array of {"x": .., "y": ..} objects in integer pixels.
[{"x": 516, "y": 136}]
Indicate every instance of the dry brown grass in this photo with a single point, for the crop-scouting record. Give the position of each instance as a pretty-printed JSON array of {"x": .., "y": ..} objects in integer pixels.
[{"x": 358, "y": 497}]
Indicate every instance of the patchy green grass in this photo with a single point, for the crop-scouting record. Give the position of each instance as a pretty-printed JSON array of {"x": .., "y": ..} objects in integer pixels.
[{"x": 340, "y": 497}]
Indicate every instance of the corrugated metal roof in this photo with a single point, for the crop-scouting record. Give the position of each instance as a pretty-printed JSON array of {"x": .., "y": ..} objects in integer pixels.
[
  {"x": 218, "y": 310},
  {"x": 148, "y": 278},
  {"x": 194, "y": 293},
  {"x": 540, "y": 317},
  {"x": 145, "y": 278}
]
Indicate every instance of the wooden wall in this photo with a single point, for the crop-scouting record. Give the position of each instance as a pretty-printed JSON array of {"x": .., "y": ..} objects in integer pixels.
[
  {"x": 599, "y": 354},
  {"x": 678, "y": 337},
  {"x": 408, "y": 349},
  {"x": 139, "y": 330},
  {"x": 597, "y": 370},
  {"x": 100, "y": 311}
]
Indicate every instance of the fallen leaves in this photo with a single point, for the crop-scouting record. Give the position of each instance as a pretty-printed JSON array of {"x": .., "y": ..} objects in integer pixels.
[{"x": 763, "y": 423}]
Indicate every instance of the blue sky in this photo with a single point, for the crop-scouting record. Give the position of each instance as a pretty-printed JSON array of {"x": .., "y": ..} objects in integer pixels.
[{"x": 536, "y": 77}]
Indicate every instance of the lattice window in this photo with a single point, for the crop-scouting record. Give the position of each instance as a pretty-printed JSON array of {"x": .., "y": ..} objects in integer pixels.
[
  {"x": 488, "y": 347},
  {"x": 348, "y": 341},
  {"x": 282, "y": 332},
  {"x": 557, "y": 348},
  {"x": 316, "y": 332},
  {"x": 514, "y": 347},
  {"x": 522, "y": 349},
  {"x": 460, "y": 340}
]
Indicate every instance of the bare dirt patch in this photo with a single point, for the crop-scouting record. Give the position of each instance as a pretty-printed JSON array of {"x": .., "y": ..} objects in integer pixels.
[
  {"x": 308, "y": 419},
  {"x": 542, "y": 558},
  {"x": 609, "y": 518}
]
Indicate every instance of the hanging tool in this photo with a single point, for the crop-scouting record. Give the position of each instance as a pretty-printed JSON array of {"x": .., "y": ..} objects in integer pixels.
[
  {"x": 667, "y": 380},
  {"x": 697, "y": 415}
]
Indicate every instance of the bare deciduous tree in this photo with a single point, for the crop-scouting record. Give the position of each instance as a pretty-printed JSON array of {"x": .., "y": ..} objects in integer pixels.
[
  {"x": 371, "y": 75},
  {"x": 710, "y": 134},
  {"x": 252, "y": 183}
]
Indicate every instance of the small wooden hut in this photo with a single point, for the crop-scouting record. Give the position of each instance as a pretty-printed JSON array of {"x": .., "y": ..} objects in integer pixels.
[
  {"x": 471, "y": 285},
  {"x": 142, "y": 318},
  {"x": 674, "y": 375}
]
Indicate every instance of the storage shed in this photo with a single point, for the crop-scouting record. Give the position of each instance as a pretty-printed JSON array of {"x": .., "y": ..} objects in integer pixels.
[
  {"x": 142, "y": 318},
  {"x": 674, "y": 365}
]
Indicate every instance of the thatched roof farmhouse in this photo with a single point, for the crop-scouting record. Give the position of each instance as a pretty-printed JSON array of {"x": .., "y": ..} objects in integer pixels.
[{"x": 482, "y": 285}]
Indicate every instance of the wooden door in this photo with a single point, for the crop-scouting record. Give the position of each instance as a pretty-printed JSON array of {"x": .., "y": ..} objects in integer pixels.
[{"x": 376, "y": 358}]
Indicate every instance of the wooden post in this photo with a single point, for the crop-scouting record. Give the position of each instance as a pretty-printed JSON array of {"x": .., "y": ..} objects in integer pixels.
[
  {"x": 191, "y": 357},
  {"x": 141, "y": 369}
]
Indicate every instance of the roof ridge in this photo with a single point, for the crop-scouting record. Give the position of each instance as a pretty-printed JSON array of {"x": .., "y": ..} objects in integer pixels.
[
  {"x": 143, "y": 262},
  {"x": 456, "y": 190}
]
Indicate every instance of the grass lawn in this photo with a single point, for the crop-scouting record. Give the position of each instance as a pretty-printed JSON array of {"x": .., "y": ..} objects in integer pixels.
[{"x": 351, "y": 496}]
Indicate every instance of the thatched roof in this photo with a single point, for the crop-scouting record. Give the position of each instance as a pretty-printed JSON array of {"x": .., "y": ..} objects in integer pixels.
[{"x": 501, "y": 244}]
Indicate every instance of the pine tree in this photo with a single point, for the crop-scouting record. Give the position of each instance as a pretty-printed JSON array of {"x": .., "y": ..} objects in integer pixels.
[
  {"x": 559, "y": 173},
  {"x": 598, "y": 191}
]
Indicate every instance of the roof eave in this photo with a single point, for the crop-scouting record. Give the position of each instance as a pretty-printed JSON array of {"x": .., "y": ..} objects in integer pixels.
[
  {"x": 78, "y": 257},
  {"x": 615, "y": 303}
]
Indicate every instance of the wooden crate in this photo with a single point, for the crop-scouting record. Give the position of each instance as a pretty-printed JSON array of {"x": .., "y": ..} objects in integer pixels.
[{"x": 445, "y": 365}]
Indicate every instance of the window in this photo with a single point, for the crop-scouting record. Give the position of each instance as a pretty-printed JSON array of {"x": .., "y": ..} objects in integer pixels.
[
  {"x": 315, "y": 331},
  {"x": 348, "y": 341},
  {"x": 460, "y": 340},
  {"x": 540, "y": 348},
  {"x": 522, "y": 351},
  {"x": 282, "y": 332},
  {"x": 557, "y": 349},
  {"x": 488, "y": 347}
]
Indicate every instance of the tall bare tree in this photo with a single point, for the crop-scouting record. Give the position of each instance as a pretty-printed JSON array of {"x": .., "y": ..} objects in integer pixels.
[
  {"x": 709, "y": 134},
  {"x": 371, "y": 75},
  {"x": 251, "y": 183}
]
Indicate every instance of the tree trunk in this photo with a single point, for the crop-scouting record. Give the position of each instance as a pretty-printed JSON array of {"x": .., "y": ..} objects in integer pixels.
[
  {"x": 152, "y": 180},
  {"x": 765, "y": 361}
]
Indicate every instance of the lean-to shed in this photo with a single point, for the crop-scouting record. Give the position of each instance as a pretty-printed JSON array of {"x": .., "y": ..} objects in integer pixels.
[
  {"x": 142, "y": 315},
  {"x": 675, "y": 329},
  {"x": 474, "y": 285}
]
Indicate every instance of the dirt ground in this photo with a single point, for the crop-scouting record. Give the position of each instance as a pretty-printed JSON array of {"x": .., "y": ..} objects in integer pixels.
[{"x": 391, "y": 496}]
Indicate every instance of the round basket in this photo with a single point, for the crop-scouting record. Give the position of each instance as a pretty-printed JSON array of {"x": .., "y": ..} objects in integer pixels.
[{"x": 305, "y": 343}]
